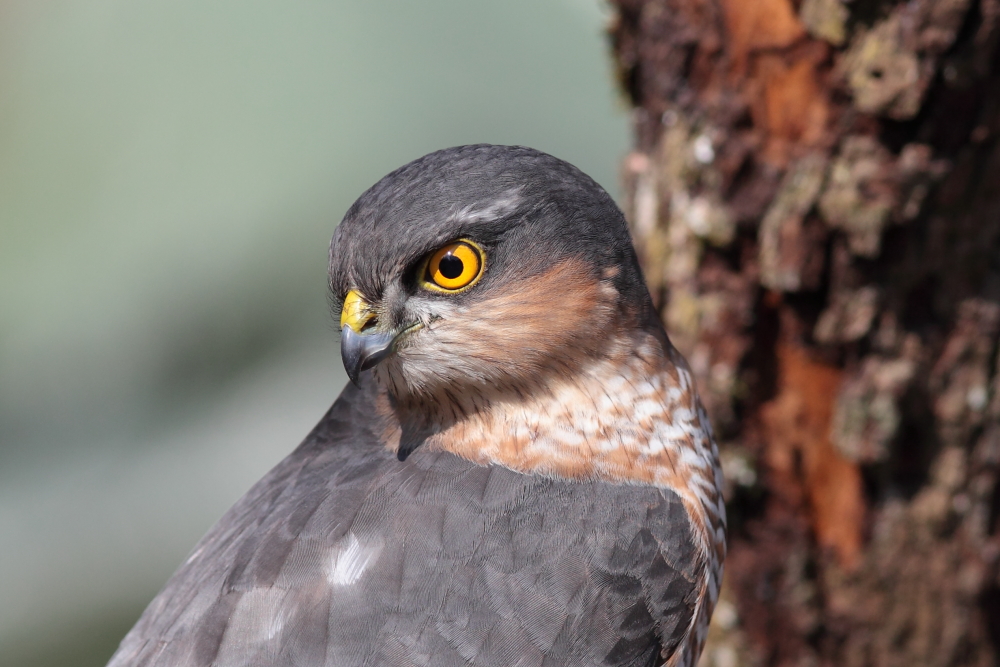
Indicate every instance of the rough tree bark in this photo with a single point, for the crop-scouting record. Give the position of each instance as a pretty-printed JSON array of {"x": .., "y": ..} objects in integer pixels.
[{"x": 815, "y": 192}]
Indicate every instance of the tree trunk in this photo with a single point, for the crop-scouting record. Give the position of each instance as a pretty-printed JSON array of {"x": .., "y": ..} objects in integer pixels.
[{"x": 815, "y": 194}]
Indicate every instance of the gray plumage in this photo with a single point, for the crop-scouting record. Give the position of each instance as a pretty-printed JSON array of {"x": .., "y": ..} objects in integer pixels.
[
  {"x": 525, "y": 477},
  {"x": 476, "y": 565},
  {"x": 529, "y": 209}
]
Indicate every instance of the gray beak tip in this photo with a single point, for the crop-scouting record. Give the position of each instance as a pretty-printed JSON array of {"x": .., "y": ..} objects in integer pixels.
[{"x": 361, "y": 351}]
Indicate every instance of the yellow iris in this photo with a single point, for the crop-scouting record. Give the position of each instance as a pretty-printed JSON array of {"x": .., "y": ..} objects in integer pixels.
[{"x": 454, "y": 267}]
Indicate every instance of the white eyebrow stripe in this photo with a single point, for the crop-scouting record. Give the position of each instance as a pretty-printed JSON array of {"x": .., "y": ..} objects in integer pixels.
[{"x": 488, "y": 211}]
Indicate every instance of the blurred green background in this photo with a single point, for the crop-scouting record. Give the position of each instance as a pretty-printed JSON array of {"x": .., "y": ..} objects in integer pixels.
[{"x": 170, "y": 175}]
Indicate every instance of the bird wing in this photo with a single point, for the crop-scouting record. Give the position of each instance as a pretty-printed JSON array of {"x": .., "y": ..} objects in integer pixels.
[{"x": 343, "y": 555}]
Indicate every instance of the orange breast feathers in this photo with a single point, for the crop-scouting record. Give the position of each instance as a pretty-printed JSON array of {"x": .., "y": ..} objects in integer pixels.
[{"x": 631, "y": 418}]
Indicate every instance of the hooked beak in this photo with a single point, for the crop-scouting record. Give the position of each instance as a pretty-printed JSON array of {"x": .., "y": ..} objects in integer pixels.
[
  {"x": 363, "y": 351},
  {"x": 362, "y": 348}
]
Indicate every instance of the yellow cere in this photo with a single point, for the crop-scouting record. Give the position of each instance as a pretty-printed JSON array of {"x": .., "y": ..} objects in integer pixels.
[
  {"x": 356, "y": 312},
  {"x": 455, "y": 266}
]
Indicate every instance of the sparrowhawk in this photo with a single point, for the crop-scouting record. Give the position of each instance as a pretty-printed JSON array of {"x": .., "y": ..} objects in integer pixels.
[{"x": 520, "y": 473}]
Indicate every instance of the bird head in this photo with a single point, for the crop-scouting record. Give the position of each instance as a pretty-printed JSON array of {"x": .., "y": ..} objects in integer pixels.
[{"x": 483, "y": 270}]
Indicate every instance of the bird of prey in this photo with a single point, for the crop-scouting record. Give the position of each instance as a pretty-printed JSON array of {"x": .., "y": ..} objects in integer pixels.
[{"x": 520, "y": 474}]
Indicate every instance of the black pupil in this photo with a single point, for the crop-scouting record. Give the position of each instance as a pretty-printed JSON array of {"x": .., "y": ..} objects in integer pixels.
[{"x": 451, "y": 267}]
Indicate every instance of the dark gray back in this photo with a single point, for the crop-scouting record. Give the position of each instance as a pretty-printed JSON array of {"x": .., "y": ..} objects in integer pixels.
[{"x": 343, "y": 555}]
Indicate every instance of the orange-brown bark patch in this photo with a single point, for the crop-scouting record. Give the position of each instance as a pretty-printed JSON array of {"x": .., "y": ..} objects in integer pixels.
[
  {"x": 799, "y": 451},
  {"x": 755, "y": 25},
  {"x": 789, "y": 102}
]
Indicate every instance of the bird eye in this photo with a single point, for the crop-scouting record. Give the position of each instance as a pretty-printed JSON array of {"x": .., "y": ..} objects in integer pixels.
[{"x": 453, "y": 267}]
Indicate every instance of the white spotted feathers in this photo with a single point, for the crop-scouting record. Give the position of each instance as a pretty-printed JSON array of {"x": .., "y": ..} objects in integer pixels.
[{"x": 350, "y": 559}]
